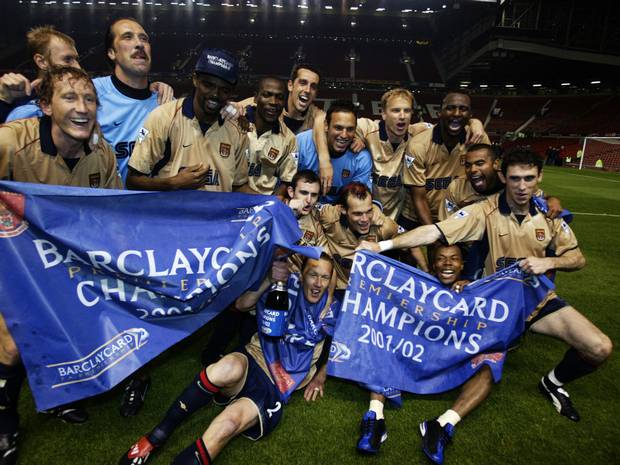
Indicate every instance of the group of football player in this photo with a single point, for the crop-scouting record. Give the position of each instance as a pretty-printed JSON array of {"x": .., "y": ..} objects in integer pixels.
[{"x": 390, "y": 185}]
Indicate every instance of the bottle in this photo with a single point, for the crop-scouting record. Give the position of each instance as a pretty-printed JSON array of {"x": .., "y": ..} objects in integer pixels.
[{"x": 274, "y": 318}]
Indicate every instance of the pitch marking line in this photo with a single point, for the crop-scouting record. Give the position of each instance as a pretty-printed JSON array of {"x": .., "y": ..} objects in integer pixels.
[
  {"x": 593, "y": 177},
  {"x": 596, "y": 214}
]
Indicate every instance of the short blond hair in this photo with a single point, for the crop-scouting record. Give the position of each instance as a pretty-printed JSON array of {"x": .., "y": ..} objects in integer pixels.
[
  {"x": 38, "y": 39},
  {"x": 400, "y": 92}
]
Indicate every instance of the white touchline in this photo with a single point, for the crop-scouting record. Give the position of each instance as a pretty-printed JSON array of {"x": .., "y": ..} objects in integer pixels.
[
  {"x": 596, "y": 214},
  {"x": 593, "y": 177}
]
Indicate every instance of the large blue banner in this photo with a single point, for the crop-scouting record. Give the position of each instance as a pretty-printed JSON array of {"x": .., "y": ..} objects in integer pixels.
[
  {"x": 95, "y": 283},
  {"x": 401, "y": 327}
]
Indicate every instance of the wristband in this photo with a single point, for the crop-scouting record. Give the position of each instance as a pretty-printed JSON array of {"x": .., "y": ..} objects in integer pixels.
[{"x": 386, "y": 245}]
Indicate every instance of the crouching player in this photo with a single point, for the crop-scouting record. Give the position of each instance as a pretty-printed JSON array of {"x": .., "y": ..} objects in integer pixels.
[
  {"x": 447, "y": 265},
  {"x": 257, "y": 379}
]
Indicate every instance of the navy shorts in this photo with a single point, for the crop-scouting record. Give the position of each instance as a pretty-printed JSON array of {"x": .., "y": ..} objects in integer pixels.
[
  {"x": 553, "y": 305},
  {"x": 407, "y": 224},
  {"x": 261, "y": 391}
]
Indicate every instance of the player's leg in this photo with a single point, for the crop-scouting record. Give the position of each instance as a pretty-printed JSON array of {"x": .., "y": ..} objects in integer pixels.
[
  {"x": 235, "y": 419},
  {"x": 372, "y": 427},
  {"x": 436, "y": 434},
  {"x": 589, "y": 348},
  {"x": 11, "y": 378},
  {"x": 226, "y": 376}
]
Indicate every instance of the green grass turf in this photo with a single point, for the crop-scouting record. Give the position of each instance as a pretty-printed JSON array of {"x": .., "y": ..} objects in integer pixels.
[{"x": 515, "y": 426}]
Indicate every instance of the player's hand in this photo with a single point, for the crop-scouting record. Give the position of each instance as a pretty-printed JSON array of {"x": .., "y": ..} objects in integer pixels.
[
  {"x": 165, "y": 93},
  {"x": 192, "y": 177},
  {"x": 232, "y": 110},
  {"x": 14, "y": 86},
  {"x": 279, "y": 271},
  {"x": 535, "y": 265},
  {"x": 366, "y": 245},
  {"x": 326, "y": 173},
  {"x": 554, "y": 207},
  {"x": 315, "y": 387},
  {"x": 296, "y": 205},
  {"x": 475, "y": 132},
  {"x": 357, "y": 145},
  {"x": 458, "y": 286}
]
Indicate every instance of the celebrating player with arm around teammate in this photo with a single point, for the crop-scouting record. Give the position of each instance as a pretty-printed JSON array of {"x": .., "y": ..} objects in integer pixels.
[
  {"x": 516, "y": 228},
  {"x": 244, "y": 379}
]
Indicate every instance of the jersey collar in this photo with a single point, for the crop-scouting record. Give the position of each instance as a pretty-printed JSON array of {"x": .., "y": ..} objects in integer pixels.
[
  {"x": 383, "y": 134},
  {"x": 188, "y": 111},
  {"x": 45, "y": 138},
  {"x": 504, "y": 208},
  {"x": 131, "y": 92},
  {"x": 438, "y": 138}
]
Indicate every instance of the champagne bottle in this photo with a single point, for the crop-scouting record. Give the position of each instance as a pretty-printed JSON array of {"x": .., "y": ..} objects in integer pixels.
[{"x": 275, "y": 314}]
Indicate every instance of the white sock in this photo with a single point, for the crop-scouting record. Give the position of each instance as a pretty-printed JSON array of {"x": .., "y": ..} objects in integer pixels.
[
  {"x": 377, "y": 407},
  {"x": 449, "y": 416},
  {"x": 553, "y": 379}
]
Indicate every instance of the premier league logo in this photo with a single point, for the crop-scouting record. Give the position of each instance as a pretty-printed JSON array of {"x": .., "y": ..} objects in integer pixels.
[{"x": 12, "y": 221}]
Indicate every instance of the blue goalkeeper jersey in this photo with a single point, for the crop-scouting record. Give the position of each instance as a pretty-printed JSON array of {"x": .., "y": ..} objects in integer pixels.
[{"x": 121, "y": 114}]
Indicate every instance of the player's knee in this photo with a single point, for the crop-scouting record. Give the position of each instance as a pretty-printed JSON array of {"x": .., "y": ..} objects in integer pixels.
[
  {"x": 227, "y": 427},
  {"x": 227, "y": 371},
  {"x": 601, "y": 349},
  {"x": 9, "y": 353}
]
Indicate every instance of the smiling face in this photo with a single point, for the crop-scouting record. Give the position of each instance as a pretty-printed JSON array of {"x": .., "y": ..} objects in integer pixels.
[
  {"x": 211, "y": 94},
  {"x": 302, "y": 90},
  {"x": 72, "y": 108},
  {"x": 315, "y": 278},
  {"x": 359, "y": 214},
  {"x": 482, "y": 169},
  {"x": 340, "y": 131},
  {"x": 455, "y": 113},
  {"x": 270, "y": 100},
  {"x": 131, "y": 49},
  {"x": 448, "y": 264},
  {"x": 397, "y": 116}
]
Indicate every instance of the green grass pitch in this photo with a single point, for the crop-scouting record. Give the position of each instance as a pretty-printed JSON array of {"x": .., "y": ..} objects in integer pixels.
[{"x": 515, "y": 426}]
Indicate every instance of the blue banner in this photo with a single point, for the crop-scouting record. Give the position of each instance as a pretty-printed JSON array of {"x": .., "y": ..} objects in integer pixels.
[
  {"x": 401, "y": 327},
  {"x": 95, "y": 283}
]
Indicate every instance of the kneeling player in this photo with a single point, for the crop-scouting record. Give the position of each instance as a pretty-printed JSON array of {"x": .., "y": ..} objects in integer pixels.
[{"x": 244, "y": 378}]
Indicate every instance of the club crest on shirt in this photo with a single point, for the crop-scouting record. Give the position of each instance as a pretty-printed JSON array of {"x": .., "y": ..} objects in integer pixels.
[
  {"x": 12, "y": 221},
  {"x": 540, "y": 234},
  {"x": 308, "y": 236},
  {"x": 346, "y": 173},
  {"x": 273, "y": 153},
  {"x": 224, "y": 150},
  {"x": 94, "y": 180},
  {"x": 371, "y": 238}
]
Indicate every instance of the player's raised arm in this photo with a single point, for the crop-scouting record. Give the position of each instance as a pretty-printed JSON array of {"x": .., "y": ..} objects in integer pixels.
[{"x": 423, "y": 235}]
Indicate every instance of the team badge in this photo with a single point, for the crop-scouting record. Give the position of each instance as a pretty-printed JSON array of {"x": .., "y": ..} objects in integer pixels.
[
  {"x": 273, "y": 153},
  {"x": 371, "y": 238},
  {"x": 346, "y": 173},
  {"x": 409, "y": 159},
  {"x": 308, "y": 236},
  {"x": 224, "y": 150},
  {"x": 94, "y": 180},
  {"x": 12, "y": 221},
  {"x": 540, "y": 234}
]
